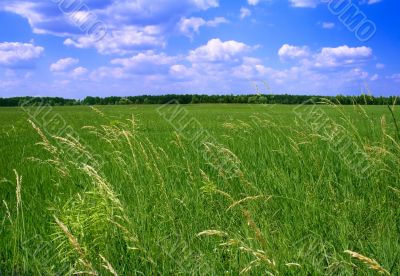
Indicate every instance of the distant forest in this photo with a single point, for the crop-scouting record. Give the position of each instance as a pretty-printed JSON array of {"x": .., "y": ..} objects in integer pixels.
[{"x": 197, "y": 99}]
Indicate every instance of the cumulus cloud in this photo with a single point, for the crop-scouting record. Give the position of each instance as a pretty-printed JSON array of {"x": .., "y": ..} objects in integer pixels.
[
  {"x": 370, "y": 2},
  {"x": 79, "y": 72},
  {"x": 315, "y": 3},
  {"x": 327, "y": 57},
  {"x": 122, "y": 41},
  {"x": 289, "y": 51},
  {"x": 189, "y": 26},
  {"x": 257, "y": 2},
  {"x": 63, "y": 64},
  {"x": 328, "y": 25},
  {"x": 305, "y": 3},
  {"x": 244, "y": 12},
  {"x": 219, "y": 51},
  {"x": 145, "y": 63},
  {"x": 227, "y": 65},
  {"x": 251, "y": 68},
  {"x": 65, "y": 69},
  {"x": 215, "y": 64},
  {"x": 342, "y": 56},
  {"x": 395, "y": 77},
  {"x": 106, "y": 72},
  {"x": 211, "y": 59},
  {"x": 206, "y": 4},
  {"x": 375, "y": 77},
  {"x": 315, "y": 69},
  {"x": 16, "y": 54},
  {"x": 110, "y": 26},
  {"x": 253, "y": 2}
]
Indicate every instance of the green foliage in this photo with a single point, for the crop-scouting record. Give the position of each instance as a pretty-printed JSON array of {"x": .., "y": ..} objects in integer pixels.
[{"x": 197, "y": 99}]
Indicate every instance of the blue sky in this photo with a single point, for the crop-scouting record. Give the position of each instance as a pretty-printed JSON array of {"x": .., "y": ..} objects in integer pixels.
[{"x": 77, "y": 48}]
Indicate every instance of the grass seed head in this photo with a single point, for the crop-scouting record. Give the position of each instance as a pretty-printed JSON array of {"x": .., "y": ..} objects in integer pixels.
[{"x": 371, "y": 263}]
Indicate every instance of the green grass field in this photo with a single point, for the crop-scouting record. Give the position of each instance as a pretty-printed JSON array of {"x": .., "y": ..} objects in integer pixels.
[{"x": 225, "y": 189}]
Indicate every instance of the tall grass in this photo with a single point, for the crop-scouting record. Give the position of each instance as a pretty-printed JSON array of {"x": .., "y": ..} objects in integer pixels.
[{"x": 132, "y": 196}]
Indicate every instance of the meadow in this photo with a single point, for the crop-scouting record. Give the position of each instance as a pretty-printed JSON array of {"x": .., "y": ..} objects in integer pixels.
[{"x": 219, "y": 189}]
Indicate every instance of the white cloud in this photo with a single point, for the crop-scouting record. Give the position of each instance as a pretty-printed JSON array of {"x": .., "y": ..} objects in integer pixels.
[
  {"x": 216, "y": 21},
  {"x": 375, "y": 77},
  {"x": 380, "y": 66},
  {"x": 16, "y": 54},
  {"x": 79, "y": 72},
  {"x": 244, "y": 12},
  {"x": 229, "y": 67},
  {"x": 395, "y": 77},
  {"x": 251, "y": 68},
  {"x": 215, "y": 64},
  {"x": 127, "y": 26},
  {"x": 217, "y": 51},
  {"x": 256, "y": 2},
  {"x": 327, "y": 57},
  {"x": 122, "y": 41},
  {"x": 155, "y": 12},
  {"x": 106, "y": 72},
  {"x": 188, "y": 26},
  {"x": 191, "y": 25},
  {"x": 370, "y": 2},
  {"x": 342, "y": 56},
  {"x": 146, "y": 63},
  {"x": 181, "y": 72},
  {"x": 63, "y": 64},
  {"x": 205, "y": 4},
  {"x": 305, "y": 3},
  {"x": 328, "y": 25},
  {"x": 62, "y": 68},
  {"x": 315, "y": 3},
  {"x": 314, "y": 70},
  {"x": 289, "y": 51},
  {"x": 253, "y": 2},
  {"x": 211, "y": 62}
]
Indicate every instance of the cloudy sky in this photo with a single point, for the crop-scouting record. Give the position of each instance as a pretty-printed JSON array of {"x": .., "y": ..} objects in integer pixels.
[{"x": 76, "y": 48}]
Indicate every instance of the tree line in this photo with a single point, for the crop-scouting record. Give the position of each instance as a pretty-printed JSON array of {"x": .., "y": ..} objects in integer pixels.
[{"x": 198, "y": 99}]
